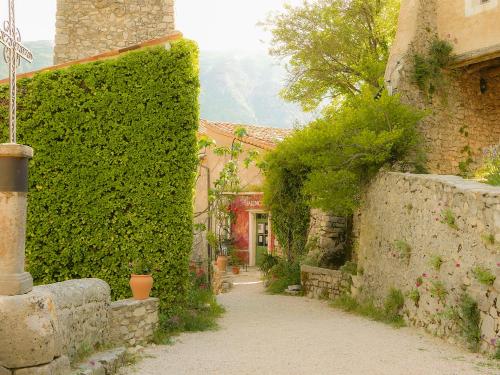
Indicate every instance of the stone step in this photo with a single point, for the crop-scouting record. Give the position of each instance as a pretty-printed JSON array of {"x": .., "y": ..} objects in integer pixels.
[{"x": 104, "y": 363}]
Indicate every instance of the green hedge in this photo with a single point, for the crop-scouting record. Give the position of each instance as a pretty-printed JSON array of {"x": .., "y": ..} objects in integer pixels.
[{"x": 114, "y": 168}]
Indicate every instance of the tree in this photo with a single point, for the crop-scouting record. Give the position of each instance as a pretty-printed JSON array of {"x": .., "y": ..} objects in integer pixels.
[
  {"x": 334, "y": 47},
  {"x": 327, "y": 164}
]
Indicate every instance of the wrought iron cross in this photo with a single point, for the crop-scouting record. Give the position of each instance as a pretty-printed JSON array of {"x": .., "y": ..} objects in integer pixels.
[{"x": 13, "y": 51}]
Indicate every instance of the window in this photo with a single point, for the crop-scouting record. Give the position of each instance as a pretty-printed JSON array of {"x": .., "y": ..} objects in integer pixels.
[{"x": 473, "y": 7}]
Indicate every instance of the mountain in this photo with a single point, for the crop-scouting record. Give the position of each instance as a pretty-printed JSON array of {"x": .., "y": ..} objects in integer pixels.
[
  {"x": 42, "y": 57},
  {"x": 235, "y": 87}
]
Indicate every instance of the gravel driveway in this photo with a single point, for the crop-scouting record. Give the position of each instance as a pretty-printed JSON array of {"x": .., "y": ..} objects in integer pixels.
[{"x": 265, "y": 334}]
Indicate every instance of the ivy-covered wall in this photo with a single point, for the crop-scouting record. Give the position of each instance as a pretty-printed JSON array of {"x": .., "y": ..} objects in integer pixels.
[{"x": 114, "y": 168}]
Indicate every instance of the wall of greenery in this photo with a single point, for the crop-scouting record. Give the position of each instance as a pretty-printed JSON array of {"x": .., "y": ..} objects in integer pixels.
[{"x": 112, "y": 179}]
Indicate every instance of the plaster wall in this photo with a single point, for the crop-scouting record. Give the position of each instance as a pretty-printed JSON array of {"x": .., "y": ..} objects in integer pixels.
[
  {"x": 471, "y": 25},
  {"x": 462, "y": 120}
]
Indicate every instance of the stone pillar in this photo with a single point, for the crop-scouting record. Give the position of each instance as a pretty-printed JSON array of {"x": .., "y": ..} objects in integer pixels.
[{"x": 13, "y": 205}]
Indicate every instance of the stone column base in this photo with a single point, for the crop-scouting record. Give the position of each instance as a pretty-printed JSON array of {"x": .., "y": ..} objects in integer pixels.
[{"x": 16, "y": 284}]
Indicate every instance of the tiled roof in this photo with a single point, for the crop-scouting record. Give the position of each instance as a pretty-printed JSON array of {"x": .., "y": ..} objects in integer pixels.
[{"x": 260, "y": 136}]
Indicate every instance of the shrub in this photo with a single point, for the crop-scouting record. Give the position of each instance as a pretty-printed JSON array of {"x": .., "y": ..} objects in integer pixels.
[
  {"x": 488, "y": 238},
  {"x": 448, "y": 217},
  {"x": 350, "y": 268},
  {"x": 268, "y": 261},
  {"x": 404, "y": 250},
  {"x": 370, "y": 310},
  {"x": 438, "y": 290},
  {"x": 414, "y": 295},
  {"x": 470, "y": 321},
  {"x": 394, "y": 303},
  {"x": 436, "y": 262},
  {"x": 428, "y": 70},
  {"x": 283, "y": 274},
  {"x": 484, "y": 275},
  {"x": 490, "y": 170},
  {"x": 497, "y": 352},
  {"x": 113, "y": 174},
  {"x": 326, "y": 164},
  {"x": 199, "y": 313}
]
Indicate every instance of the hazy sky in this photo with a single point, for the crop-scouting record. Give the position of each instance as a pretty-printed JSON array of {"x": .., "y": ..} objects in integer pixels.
[{"x": 214, "y": 24}]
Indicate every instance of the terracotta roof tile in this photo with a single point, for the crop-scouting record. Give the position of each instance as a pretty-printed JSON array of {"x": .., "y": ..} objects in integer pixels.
[{"x": 265, "y": 137}]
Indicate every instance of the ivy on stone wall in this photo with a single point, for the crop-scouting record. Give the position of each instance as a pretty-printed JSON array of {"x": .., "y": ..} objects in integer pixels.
[
  {"x": 428, "y": 69},
  {"x": 113, "y": 174}
]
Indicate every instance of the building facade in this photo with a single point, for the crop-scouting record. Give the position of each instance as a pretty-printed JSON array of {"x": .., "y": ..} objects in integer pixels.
[
  {"x": 89, "y": 27},
  {"x": 465, "y": 121},
  {"x": 251, "y": 231}
]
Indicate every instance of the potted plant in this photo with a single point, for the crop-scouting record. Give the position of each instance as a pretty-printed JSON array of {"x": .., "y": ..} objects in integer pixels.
[
  {"x": 141, "y": 280},
  {"x": 221, "y": 251},
  {"x": 235, "y": 261},
  {"x": 236, "y": 269}
]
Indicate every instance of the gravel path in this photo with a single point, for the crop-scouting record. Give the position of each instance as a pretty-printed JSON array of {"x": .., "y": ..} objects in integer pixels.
[{"x": 264, "y": 334}]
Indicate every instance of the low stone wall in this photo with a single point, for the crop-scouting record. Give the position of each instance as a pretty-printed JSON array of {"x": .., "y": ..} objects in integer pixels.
[
  {"x": 428, "y": 235},
  {"x": 82, "y": 311},
  {"x": 323, "y": 283},
  {"x": 133, "y": 322},
  {"x": 42, "y": 331}
]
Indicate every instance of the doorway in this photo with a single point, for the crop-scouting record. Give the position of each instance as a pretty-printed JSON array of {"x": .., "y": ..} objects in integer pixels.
[{"x": 262, "y": 236}]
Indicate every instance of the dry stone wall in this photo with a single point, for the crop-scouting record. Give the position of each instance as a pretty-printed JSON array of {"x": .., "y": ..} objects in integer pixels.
[
  {"x": 427, "y": 235},
  {"x": 133, "y": 322},
  {"x": 88, "y": 27},
  {"x": 323, "y": 283},
  {"x": 326, "y": 239}
]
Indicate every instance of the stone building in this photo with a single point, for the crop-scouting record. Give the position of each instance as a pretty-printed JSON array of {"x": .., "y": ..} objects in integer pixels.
[
  {"x": 89, "y": 27},
  {"x": 465, "y": 120}
]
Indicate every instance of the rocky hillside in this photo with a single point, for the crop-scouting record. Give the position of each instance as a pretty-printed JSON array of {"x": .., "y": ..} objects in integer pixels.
[{"x": 236, "y": 87}]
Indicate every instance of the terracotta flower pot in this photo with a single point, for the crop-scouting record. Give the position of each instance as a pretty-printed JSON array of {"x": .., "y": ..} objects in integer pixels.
[
  {"x": 222, "y": 263},
  {"x": 141, "y": 286},
  {"x": 236, "y": 270}
]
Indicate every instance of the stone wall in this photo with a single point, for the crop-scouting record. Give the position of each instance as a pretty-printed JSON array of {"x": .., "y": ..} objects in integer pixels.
[
  {"x": 133, "y": 322},
  {"x": 82, "y": 311},
  {"x": 425, "y": 235},
  {"x": 327, "y": 239},
  {"x": 42, "y": 331},
  {"x": 88, "y": 27},
  {"x": 322, "y": 282},
  {"x": 462, "y": 120}
]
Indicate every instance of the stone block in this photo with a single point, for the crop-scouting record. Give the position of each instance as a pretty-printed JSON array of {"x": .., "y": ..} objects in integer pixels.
[
  {"x": 82, "y": 310},
  {"x": 90, "y": 370},
  {"x": 488, "y": 326},
  {"x": 133, "y": 321},
  {"x": 28, "y": 330},
  {"x": 4, "y": 371},
  {"x": 111, "y": 360},
  {"x": 59, "y": 366}
]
